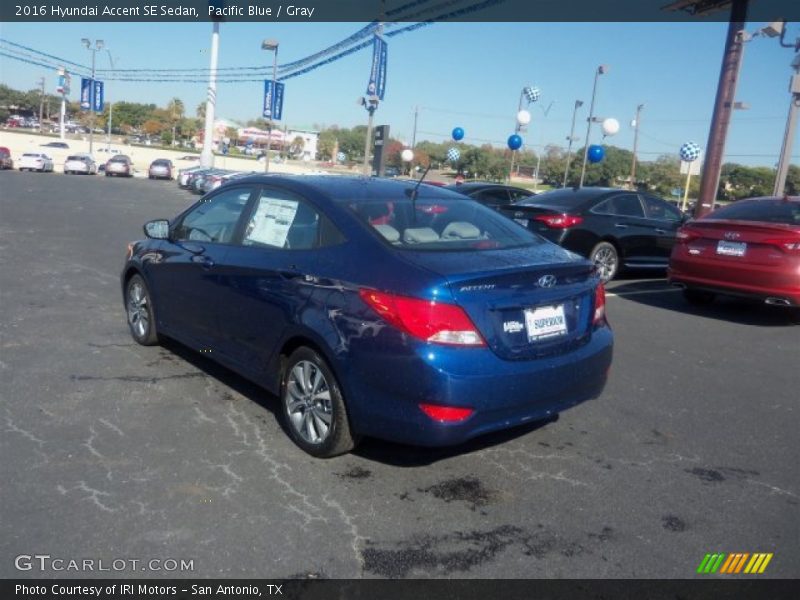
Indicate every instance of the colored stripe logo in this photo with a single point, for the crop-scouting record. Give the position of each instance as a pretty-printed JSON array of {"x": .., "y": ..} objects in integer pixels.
[{"x": 735, "y": 563}]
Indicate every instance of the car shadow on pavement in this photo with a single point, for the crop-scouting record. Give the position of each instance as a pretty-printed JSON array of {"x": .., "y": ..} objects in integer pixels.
[
  {"x": 390, "y": 453},
  {"x": 724, "y": 308},
  {"x": 403, "y": 455}
]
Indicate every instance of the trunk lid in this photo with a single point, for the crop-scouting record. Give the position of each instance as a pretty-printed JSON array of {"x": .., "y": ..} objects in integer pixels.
[
  {"x": 527, "y": 303},
  {"x": 749, "y": 242}
]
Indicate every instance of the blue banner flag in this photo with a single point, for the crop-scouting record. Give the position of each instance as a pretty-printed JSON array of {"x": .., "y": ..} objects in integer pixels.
[
  {"x": 86, "y": 93},
  {"x": 97, "y": 96},
  {"x": 273, "y": 102},
  {"x": 377, "y": 75}
]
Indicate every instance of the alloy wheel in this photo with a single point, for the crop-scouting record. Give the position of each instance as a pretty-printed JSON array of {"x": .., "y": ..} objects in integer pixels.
[{"x": 307, "y": 400}]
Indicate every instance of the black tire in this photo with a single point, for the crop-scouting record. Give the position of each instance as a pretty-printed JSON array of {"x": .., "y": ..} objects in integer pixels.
[
  {"x": 139, "y": 310},
  {"x": 698, "y": 297},
  {"x": 308, "y": 410},
  {"x": 605, "y": 256}
]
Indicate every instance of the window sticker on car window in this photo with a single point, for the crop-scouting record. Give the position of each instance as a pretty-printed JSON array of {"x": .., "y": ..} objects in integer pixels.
[{"x": 271, "y": 222}]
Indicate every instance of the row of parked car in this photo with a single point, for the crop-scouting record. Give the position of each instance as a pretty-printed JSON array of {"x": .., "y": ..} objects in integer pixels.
[
  {"x": 201, "y": 180},
  {"x": 750, "y": 248},
  {"x": 119, "y": 165}
]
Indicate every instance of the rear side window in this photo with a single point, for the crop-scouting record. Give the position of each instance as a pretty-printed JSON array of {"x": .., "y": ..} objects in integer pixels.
[
  {"x": 492, "y": 196},
  {"x": 624, "y": 205},
  {"x": 283, "y": 220},
  {"x": 660, "y": 210},
  {"x": 769, "y": 211}
]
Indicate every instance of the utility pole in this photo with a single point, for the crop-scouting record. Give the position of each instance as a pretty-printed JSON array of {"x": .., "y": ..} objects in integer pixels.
[
  {"x": 791, "y": 121},
  {"x": 723, "y": 107},
  {"x": 570, "y": 139},
  {"x": 413, "y": 140},
  {"x": 207, "y": 154},
  {"x": 271, "y": 45},
  {"x": 41, "y": 102},
  {"x": 636, "y": 122},
  {"x": 602, "y": 69}
]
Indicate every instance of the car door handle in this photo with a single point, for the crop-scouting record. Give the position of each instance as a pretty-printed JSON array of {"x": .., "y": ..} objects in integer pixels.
[
  {"x": 661, "y": 231},
  {"x": 203, "y": 261},
  {"x": 620, "y": 226}
]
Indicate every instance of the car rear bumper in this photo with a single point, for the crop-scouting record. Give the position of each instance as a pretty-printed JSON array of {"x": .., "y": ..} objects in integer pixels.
[
  {"x": 758, "y": 282},
  {"x": 384, "y": 392}
]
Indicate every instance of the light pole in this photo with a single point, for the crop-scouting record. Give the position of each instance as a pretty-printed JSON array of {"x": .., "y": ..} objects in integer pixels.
[
  {"x": 635, "y": 124},
  {"x": 571, "y": 138},
  {"x": 530, "y": 94},
  {"x": 272, "y": 46},
  {"x": 98, "y": 45},
  {"x": 545, "y": 111},
  {"x": 601, "y": 70},
  {"x": 207, "y": 154},
  {"x": 773, "y": 30},
  {"x": 110, "y": 107}
]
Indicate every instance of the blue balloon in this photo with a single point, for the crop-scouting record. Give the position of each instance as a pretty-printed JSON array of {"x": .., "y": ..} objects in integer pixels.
[
  {"x": 458, "y": 134},
  {"x": 514, "y": 142},
  {"x": 596, "y": 153}
]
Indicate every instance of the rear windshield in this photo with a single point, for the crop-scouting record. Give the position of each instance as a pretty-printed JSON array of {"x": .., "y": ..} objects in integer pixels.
[
  {"x": 80, "y": 158},
  {"x": 33, "y": 155},
  {"x": 439, "y": 224},
  {"x": 119, "y": 158},
  {"x": 775, "y": 210},
  {"x": 565, "y": 198},
  {"x": 160, "y": 163}
]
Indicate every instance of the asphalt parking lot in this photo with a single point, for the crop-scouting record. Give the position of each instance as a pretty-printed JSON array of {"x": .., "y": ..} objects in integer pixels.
[{"x": 112, "y": 450}]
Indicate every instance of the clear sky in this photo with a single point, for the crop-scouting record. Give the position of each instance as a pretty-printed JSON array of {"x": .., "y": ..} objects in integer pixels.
[{"x": 460, "y": 74}]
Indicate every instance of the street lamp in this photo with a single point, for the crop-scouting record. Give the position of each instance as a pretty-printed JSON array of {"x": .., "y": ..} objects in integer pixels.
[
  {"x": 98, "y": 45},
  {"x": 635, "y": 125},
  {"x": 545, "y": 111},
  {"x": 601, "y": 70},
  {"x": 271, "y": 46},
  {"x": 571, "y": 138},
  {"x": 110, "y": 107}
]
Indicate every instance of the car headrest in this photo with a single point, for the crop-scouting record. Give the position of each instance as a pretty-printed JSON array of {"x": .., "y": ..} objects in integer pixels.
[
  {"x": 389, "y": 232},
  {"x": 461, "y": 230},
  {"x": 420, "y": 235}
]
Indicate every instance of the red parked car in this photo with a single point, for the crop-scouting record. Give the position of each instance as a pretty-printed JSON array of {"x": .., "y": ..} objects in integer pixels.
[{"x": 750, "y": 248}]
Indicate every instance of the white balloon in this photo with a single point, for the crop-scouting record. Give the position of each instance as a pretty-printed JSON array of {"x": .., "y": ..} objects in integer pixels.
[
  {"x": 407, "y": 155},
  {"x": 610, "y": 126},
  {"x": 523, "y": 117}
]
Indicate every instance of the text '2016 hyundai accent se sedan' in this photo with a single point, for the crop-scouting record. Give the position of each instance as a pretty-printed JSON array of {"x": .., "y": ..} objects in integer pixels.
[{"x": 374, "y": 307}]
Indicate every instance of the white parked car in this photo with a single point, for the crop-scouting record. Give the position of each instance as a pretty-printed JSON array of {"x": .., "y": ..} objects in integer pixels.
[
  {"x": 80, "y": 163},
  {"x": 35, "y": 161}
]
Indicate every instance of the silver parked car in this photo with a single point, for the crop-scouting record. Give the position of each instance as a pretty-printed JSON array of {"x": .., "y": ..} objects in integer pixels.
[{"x": 80, "y": 163}]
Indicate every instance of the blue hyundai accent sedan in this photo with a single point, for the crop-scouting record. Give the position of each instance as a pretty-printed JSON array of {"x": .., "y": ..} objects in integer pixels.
[{"x": 374, "y": 307}]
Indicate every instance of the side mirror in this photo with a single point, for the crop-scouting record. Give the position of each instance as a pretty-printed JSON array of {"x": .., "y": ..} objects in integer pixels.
[
  {"x": 157, "y": 230},
  {"x": 686, "y": 217}
]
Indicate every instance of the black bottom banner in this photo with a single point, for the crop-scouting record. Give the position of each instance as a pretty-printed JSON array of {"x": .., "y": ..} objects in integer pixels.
[{"x": 417, "y": 589}]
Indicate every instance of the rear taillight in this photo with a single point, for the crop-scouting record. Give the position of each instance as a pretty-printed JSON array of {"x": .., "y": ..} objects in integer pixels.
[
  {"x": 446, "y": 414},
  {"x": 684, "y": 236},
  {"x": 788, "y": 245},
  {"x": 599, "y": 306},
  {"x": 428, "y": 320},
  {"x": 559, "y": 221}
]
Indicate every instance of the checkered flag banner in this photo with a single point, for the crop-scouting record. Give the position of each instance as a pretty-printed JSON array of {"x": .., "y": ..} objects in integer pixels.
[
  {"x": 690, "y": 152},
  {"x": 532, "y": 94},
  {"x": 453, "y": 155},
  {"x": 341, "y": 156}
]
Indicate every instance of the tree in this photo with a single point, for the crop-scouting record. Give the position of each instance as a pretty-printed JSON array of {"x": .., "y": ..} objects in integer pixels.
[
  {"x": 175, "y": 108},
  {"x": 152, "y": 127},
  {"x": 614, "y": 169},
  {"x": 793, "y": 181},
  {"x": 326, "y": 144},
  {"x": 297, "y": 145},
  {"x": 200, "y": 111},
  {"x": 739, "y": 181}
]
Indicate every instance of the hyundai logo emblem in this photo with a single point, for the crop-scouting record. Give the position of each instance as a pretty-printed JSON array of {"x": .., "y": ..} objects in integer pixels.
[
  {"x": 732, "y": 235},
  {"x": 547, "y": 281}
]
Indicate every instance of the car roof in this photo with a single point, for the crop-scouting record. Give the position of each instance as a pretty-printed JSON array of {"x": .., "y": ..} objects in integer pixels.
[{"x": 351, "y": 188}]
